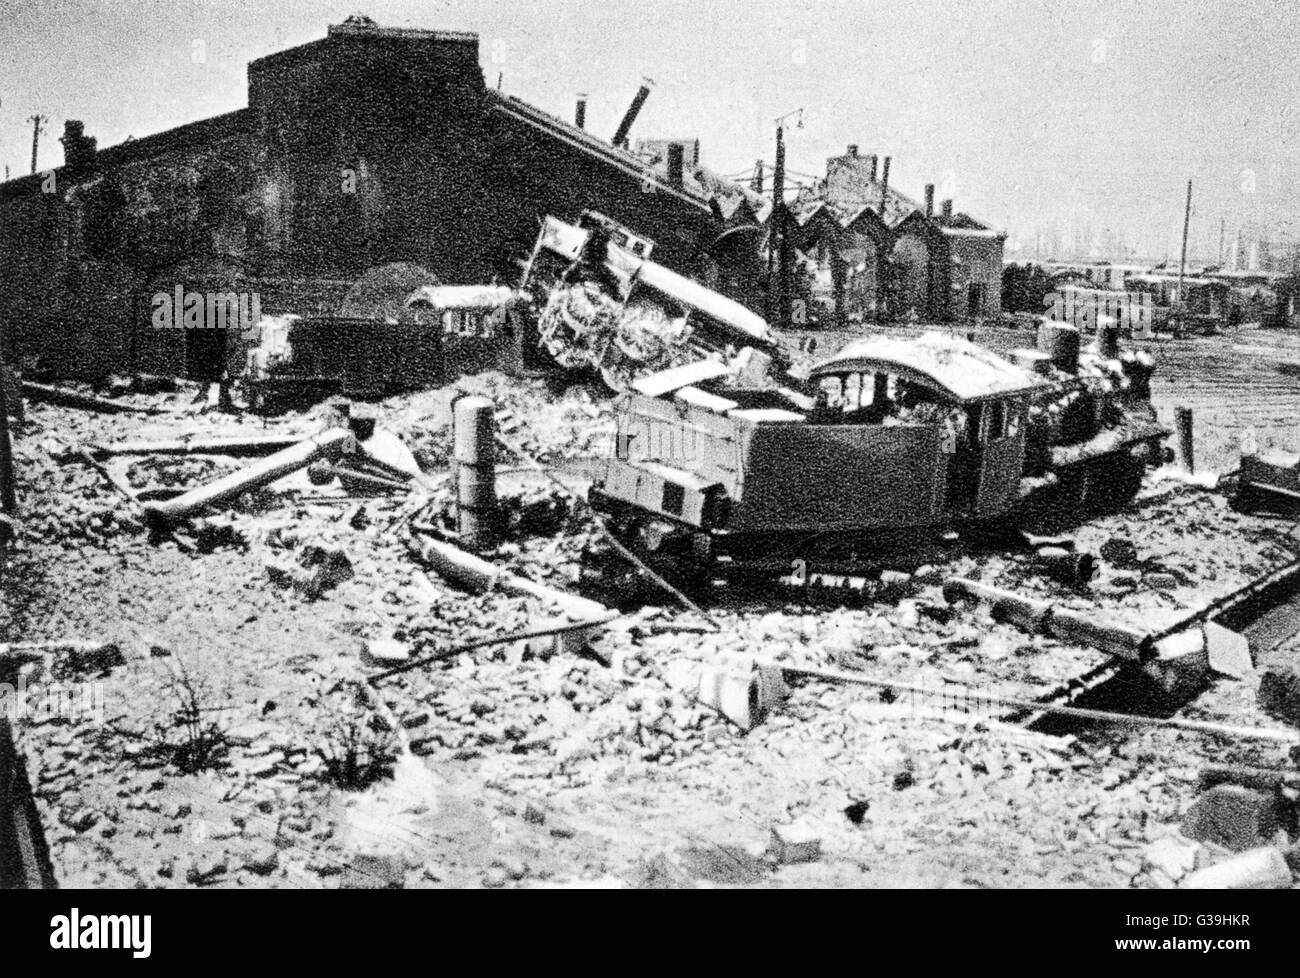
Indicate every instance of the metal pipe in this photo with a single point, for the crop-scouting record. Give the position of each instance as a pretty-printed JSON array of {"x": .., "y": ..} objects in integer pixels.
[
  {"x": 1080, "y": 713},
  {"x": 329, "y": 444},
  {"x": 1061, "y": 623},
  {"x": 61, "y": 395},
  {"x": 1182, "y": 262},
  {"x": 522, "y": 636},
  {"x": 633, "y": 110},
  {"x": 254, "y": 445}
]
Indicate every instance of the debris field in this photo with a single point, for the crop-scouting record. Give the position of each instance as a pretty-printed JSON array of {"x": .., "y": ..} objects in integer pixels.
[{"x": 267, "y": 721}]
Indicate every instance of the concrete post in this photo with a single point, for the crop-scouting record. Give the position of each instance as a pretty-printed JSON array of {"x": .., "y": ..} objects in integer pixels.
[
  {"x": 474, "y": 453},
  {"x": 1183, "y": 422}
]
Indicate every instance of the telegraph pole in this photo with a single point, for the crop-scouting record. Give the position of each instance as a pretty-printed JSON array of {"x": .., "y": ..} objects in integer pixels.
[
  {"x": 778, "y": 215},
  {"x": 38, "y": 126},
  {"x": 8, "y": 501},
  {"x": 8, "y": 496},
  {"x": 781, "y": 225},
  {"x": 1182, "y": 262},
  {"x": 8, "y": 492}
]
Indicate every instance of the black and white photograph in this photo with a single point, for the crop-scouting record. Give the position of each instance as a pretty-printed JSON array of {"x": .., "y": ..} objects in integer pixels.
[{"x": 607, "y": 445}]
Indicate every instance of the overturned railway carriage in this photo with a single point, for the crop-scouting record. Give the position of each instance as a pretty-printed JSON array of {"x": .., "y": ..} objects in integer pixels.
[
  {"x": 605, "y": 305},
  {"x": 889, "y": 439}
]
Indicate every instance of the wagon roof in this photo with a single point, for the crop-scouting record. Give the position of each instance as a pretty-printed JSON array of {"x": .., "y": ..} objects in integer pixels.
[
  {"x": 949, "y": 364},
  {"x": 461, "y": 296}
]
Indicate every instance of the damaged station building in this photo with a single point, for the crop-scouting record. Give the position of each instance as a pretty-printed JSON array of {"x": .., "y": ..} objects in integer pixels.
[
  {"x": 367, "y": 164},
  {"x": 872, "y": 254},
  {"x": 376, "y": 161}
]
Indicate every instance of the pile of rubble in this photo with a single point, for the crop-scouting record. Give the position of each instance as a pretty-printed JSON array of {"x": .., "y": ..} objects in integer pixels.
[
  {"x": 321, "y": 690},
  {"x": 1239, "y": 833}
]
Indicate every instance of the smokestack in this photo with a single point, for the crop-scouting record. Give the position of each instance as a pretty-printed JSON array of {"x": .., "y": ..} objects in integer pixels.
[
  {"x": 946, "y": 208},
  {"x": 78, "y": 148},
  {"x": 580, "y": 113},
  {"x": 929, "y": 200},
  {"x": 633, "y": 110},
  {"x": 873, "y": 159},
  {"x": 756, "y": 184},
  {"x": 884, "y": 187},
  {"x": 675, "y": 165}
]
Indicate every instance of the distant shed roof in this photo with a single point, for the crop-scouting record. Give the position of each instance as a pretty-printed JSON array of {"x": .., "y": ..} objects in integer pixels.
[{"x": 954, "y": 366}]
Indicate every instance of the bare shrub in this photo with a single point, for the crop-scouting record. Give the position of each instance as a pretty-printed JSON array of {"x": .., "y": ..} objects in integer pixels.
[
  {"x": 188, "y": 732},
  {"x": 356, "y": 744}
]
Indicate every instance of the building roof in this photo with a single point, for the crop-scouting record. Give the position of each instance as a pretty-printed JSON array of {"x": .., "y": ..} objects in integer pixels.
[
  {"x": 960, "y": 232},
  {"x": 849, "y": 189},
  {"x": 699, "y": 186},
  {"x": 461, "y": 296},
  {"x": 191, "y": 134},
  {"x": 592, "y": 145},
  {"x": 947, "y": 364},
  {"x": 897, "y": 205}
]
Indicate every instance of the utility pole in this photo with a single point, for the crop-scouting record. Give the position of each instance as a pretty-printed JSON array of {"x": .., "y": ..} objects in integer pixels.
[
  {"x": 1222, "y": 228},
  {"x": 38, "y": 126},
  {"x": 8, "y": 496},
  {"x": 781, "y": 226},
  {"x": 1182, "y": 262},
  {"x": 782, "y": 309},
  {"x": 8, "y": 502}
]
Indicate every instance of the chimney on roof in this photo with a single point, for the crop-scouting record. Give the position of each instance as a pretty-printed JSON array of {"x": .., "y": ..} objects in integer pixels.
[
  {"x": 78, "y": 148},
  {"x": 872, "y": 159},
  {"x": 946, "y": 208},
  {"x": 580, "y": 113},
  {"x": 675, "y": 160},
  {"x": 853, "y": 149},
  {"x": 929, "y": 200},
  {"x": 884, "y": 187},
  {"x": 624, "y": 127},
  {"x": 756, "y": 184}
]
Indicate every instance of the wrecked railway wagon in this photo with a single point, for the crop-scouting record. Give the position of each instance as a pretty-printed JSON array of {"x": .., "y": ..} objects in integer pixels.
[
  {"x": 888, "y": 439},
  {"x": 440, "y": 333},
  {"x": 606, "y": 306}
]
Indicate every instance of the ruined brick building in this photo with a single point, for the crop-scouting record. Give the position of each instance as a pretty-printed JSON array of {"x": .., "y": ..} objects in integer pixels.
[
  {"x": 874, "y": 253},
  {"x": 366, "y": 153}
]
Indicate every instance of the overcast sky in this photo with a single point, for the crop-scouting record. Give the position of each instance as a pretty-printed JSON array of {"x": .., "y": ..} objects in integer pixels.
[{"x": 1030, "y": 114}]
